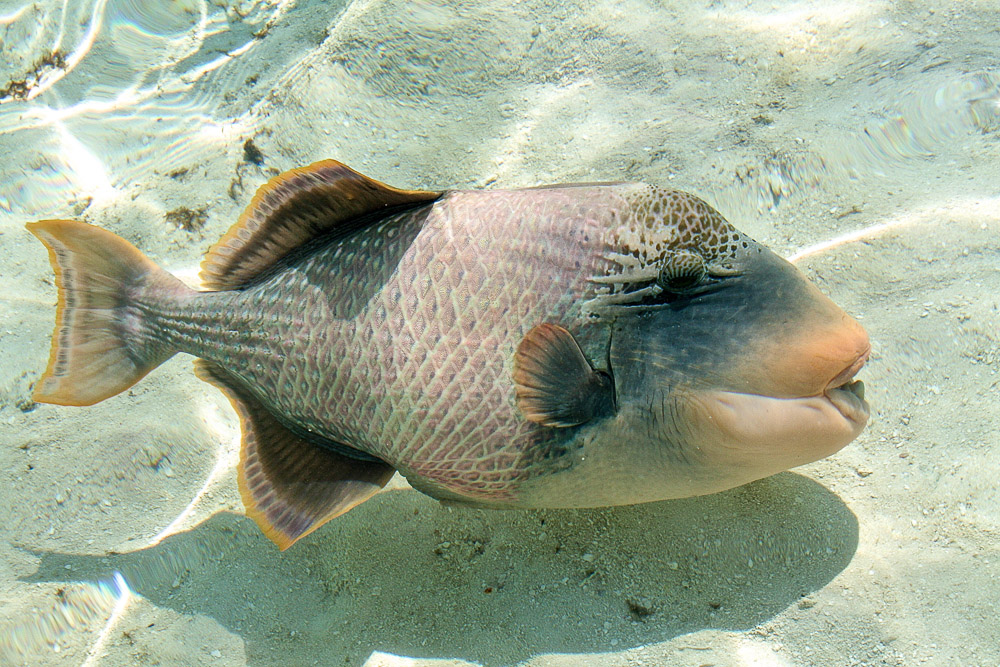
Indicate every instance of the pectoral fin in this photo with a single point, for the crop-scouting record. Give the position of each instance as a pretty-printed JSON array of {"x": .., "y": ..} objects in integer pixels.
[
  {"x": 291, "y": 486},
  {"x": 554, "y": 382}
]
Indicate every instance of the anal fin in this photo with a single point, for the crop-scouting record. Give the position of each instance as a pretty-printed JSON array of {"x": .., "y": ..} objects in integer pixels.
[{"x": 290, "y": 486}]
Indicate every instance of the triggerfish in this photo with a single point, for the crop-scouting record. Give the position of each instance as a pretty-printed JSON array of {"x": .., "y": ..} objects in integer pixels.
[{"x": 574, "y": 345}]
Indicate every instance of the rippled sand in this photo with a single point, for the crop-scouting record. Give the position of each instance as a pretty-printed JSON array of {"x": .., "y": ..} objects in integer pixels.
[{"x": 862, "y": 139}]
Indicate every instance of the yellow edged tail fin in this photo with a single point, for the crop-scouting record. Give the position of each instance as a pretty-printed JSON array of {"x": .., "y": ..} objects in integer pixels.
[{"x": 100, "y": 346}]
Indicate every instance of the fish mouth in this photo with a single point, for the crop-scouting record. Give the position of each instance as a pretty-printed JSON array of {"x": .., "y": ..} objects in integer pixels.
[
  {"x": 847, "y": 394},
  {"x": 849, "y": 399}
]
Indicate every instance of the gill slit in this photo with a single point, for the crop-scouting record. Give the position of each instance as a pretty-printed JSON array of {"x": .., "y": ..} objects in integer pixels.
[{"x": 607, "y": 363}]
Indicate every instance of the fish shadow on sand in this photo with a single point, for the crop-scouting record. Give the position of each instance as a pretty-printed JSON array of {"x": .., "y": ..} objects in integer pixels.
[{"x": 405, "y": 575}]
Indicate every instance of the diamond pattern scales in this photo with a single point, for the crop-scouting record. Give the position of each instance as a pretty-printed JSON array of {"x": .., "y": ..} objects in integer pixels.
[{"x": 398, "y": 339}]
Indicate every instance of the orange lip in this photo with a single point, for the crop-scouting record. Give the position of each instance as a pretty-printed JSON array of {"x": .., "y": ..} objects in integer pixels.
[
  {"x": 844, "y": 376},
  {"x": 847, "y": 396}
]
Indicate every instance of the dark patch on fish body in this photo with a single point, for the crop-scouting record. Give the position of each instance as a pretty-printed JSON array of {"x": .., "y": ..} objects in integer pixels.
[{"x": 397, "y": 340}]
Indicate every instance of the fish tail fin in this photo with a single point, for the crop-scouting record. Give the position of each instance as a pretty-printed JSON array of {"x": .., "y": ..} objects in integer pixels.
[{"x": 102, "y": 343}]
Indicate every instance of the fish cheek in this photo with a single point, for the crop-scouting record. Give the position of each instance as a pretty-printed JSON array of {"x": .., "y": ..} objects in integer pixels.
[
  {"x": 664, "y": 424},
  {"x": 668, "y": 350}
]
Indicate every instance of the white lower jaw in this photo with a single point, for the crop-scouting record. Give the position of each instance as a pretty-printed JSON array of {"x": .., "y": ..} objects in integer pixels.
[{"x": 780, "y": 433}]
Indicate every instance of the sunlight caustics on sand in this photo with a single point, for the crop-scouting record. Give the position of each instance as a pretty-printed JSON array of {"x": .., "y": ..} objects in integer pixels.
[
  {"x": 986, "y": 210},
  {"x": 148, "y": 59},
  {"x": 124, "y": 596},
  {"x": 82, "y": 604}
]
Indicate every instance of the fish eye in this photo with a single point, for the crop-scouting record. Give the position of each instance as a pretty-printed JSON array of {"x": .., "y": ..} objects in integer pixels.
[{"x": 681, "y": 271}]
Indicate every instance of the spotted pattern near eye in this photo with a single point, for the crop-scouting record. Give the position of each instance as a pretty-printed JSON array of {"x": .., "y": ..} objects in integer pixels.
[
  {"x": 665, "y": 220},
  {"x": 657, "y": 227}
]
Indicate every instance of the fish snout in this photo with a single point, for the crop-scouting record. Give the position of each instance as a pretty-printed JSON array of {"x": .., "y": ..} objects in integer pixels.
[
  {"x": 845, "y": 393},
  {"x": 819, "y": 359},
  {"x": 848, "y": 350},
  {"x": 846, "y": 375},
  {"x": 809, "y": 408}
]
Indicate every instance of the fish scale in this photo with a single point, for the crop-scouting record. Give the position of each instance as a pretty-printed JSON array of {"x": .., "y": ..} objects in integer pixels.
[{"x": 386, "y": 380}]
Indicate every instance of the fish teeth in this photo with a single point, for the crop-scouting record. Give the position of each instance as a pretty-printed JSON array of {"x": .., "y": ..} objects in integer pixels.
[{"x": 857, "y": 388}]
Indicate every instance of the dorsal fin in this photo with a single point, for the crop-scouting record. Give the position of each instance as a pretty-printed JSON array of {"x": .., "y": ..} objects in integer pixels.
[{"x": 292, "y": 209}]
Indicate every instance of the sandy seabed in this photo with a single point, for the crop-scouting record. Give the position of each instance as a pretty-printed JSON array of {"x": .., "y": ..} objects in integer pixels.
[{"x": 876, "y": 123}]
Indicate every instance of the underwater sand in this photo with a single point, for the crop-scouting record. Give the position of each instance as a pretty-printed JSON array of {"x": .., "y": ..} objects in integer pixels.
[{"x": 123, "y": 540}]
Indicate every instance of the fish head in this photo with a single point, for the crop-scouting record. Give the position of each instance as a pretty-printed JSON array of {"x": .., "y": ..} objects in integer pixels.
[{"x": 725, "y": 355}]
